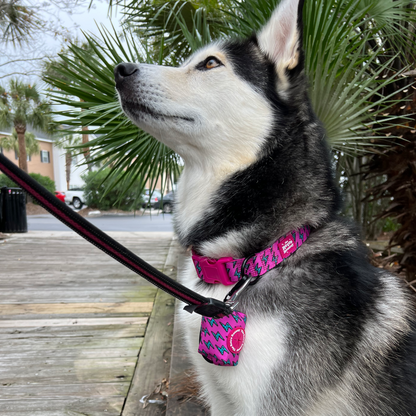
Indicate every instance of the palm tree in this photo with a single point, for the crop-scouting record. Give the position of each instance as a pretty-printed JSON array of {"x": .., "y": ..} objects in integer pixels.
[
  {"x": 12, "y": 143},
  {"x": 21, "y": 106},
  {"x": 49, "y": 71},
  {"x": 68, "y": 142},
  {"x": 17, "y": 21},
  {"x": 396, "y": 166}
]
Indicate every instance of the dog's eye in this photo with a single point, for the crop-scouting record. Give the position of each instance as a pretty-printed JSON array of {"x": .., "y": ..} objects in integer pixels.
[
  {"x": 212, "y": 63},
  {"x": 209, "y": 63}
]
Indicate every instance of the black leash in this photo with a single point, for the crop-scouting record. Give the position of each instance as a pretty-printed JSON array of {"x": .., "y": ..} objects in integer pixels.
[{"x": 196, "y": 303}]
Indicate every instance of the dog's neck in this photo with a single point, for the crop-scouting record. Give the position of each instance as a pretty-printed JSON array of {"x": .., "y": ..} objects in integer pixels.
[
  {"x": 240, "y": 211},
  {"x": 197, "y": 186}
]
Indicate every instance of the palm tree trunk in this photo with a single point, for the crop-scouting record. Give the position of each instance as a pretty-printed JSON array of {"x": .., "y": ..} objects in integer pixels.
[
  {"x": 86, "y": 150},
  {"x": 21, "y": 130},
  {"x": 68, "y": 163}
]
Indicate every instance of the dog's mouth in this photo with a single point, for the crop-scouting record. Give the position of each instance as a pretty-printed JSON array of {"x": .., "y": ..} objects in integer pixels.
[{"x": 139, "y": 109}]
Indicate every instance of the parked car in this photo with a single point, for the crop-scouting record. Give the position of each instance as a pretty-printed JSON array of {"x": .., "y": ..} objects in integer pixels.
[
  {"x": 156, "y": 195},
  {"x": 60, "y": 195},
  {"x": 75, "y": 196},
  {"x": 165, "y": 203}
]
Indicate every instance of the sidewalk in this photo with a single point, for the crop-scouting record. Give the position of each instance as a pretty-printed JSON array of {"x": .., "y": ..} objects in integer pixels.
[{"x": 81, "y": 334}]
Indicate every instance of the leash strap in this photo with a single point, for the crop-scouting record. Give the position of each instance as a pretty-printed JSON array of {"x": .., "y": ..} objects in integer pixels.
[{"x": 196, "y": 303}]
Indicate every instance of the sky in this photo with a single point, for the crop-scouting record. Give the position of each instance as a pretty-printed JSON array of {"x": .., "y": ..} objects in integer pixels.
[{"x": 68, "y": 22}]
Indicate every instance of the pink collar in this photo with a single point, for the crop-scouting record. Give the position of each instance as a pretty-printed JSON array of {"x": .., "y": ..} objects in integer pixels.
[{"x": 227, "y": 270}]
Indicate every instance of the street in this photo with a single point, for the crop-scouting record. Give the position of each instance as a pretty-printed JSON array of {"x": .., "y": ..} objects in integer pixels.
[{"x": 146, "y": 223}]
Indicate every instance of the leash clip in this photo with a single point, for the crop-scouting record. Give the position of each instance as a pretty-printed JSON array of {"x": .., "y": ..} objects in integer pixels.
[
  {"x": 231, "y": 300},
  {"x": 212, "y": 308}
]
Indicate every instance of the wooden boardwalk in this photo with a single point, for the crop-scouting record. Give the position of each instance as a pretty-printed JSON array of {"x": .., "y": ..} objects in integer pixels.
[{"x": 73, "y": 324}]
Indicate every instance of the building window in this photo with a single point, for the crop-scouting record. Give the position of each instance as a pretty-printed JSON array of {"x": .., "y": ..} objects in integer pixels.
[
  {"x": 44, "y": 156},
  {"x": 28, "y": 158}
]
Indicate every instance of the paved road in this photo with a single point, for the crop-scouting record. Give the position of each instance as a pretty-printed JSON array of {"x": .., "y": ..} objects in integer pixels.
[{"x": 106, "y": 223}]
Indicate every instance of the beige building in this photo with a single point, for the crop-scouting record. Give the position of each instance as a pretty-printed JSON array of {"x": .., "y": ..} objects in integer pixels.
[{"x": 41, "y": 163}]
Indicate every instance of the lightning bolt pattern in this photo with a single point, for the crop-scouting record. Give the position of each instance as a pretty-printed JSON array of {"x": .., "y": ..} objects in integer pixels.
[{"x": 213, "y": 343}]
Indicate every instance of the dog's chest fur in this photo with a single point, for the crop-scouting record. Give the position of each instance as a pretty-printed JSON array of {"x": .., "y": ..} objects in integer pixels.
[
  {"x": 296, "y": 359},
  {"x": 257, "y": 357}
]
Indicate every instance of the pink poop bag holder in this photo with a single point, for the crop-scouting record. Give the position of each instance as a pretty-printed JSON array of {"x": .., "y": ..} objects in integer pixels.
[{"x": 221, "y": 339}]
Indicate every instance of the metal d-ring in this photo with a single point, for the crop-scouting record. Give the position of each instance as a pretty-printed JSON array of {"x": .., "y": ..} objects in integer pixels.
[
  {"x": 231, "y": 298},
  {"x": 255, "y": 279}
]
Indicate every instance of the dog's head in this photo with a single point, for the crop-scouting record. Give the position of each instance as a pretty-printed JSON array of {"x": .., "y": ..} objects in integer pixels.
[{"x": 221, "y": 103}]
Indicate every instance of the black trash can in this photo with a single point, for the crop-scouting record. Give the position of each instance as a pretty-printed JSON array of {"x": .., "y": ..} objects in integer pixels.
[{"x": 13, "y": 211}]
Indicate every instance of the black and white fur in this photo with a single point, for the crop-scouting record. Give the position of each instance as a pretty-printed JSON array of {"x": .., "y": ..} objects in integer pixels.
[{"x": 327, "y": 334}]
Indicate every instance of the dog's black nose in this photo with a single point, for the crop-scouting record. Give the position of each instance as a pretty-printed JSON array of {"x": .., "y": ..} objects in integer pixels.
[{"x": 124, "y": 70}]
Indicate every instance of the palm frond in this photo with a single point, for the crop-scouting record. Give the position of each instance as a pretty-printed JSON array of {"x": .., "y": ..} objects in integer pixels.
[
  {"x": 118, "y": 144},
  {"x": 17, "y": 22},
  {"x": 351, "y": 59},
  {"x": 169, "y": 22},
  {"x": 12, "y": 143}
]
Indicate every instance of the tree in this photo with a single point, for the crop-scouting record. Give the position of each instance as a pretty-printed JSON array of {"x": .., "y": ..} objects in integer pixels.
[
  {"x": 49, "y": 70},
  {"x": 21, "y": 106},
  {"x": 396, "y": 166},
  {"x": 12, "y": 143},
  {"x": 70, "y": 141},
  {"x": 17, "y": 22},
  {"x": 25, "y": 26}
]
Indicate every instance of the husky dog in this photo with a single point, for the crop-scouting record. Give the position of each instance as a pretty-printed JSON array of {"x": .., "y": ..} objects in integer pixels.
[{"x": 327, "y": 334}]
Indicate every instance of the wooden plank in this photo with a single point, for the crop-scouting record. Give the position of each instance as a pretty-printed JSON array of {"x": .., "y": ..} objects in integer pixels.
[
  {"x": 180, "y": 367},
  {"x": 114, "y": 285},
  {"x": 154, "y": 359},
  {"x": 71, "y": 316},
  {"x": 109, "y": 284},
  {"x": 24, "y": 365},
  {"x": 66, "y": 354},
  {"x": 94, "y": 331},
  {"x": 106, "y": 370},
  {"x": 66, "y": 376},
  {"x": 74, "y": 308},
  {"x": 381, "y": 245},
  {"x": 64, "y": 343},
  {"x": 65, "y": 391},
  {"x": 83, "y": 269},
  {"x": 67, "y": 322},
  {"x": 69, "y": 407},
  {"x": 81, "y": 295},
  {"x": 92, "y": 412}
]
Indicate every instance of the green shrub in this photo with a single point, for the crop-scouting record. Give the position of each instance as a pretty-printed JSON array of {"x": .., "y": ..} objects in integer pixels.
[
  {"x": 390, "y": 224},
  {"x": 45, "y": 181},
  {"x": 5, "y": 181},
  {"x": 96, "y": 195}
]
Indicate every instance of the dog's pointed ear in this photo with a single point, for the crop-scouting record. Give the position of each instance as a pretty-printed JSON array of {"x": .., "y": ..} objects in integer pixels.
[{"x": 281, "y": 38}]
